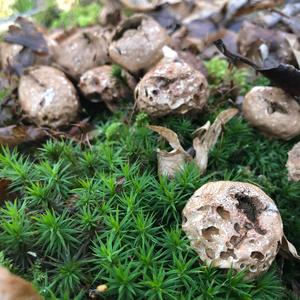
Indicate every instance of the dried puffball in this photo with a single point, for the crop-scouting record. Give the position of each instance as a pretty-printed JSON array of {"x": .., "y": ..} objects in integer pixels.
[
  {"x": 13, "y": 287},
  {"x": 234, "y": 224},
  {"x": 100, "y": 84},
  {"x": 274, "y": 112},
  {"x": 293, "y": 163},
  {"x": 83, "y": 50},
  {"x": 137, "y": 43},
  {"x": 171, "y": 87},
  {"x": 47, "y": 97}
]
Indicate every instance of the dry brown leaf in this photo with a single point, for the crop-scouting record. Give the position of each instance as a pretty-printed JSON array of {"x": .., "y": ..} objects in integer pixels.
[
  {"x": 169, "y": 135},
  {"x": 207, "y": 136},
  {"x": 288, "y": 249},
  {"x": 14, "y": 135},
  {"x": 295, "y": 46}
]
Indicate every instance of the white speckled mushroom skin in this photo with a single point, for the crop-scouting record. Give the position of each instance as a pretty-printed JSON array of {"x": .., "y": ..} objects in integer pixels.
[
  {"x": 83, "y": 50},
  {"x": 171, "y": 87},
  {"x": 273, "y": 112},
  {"x": 47, "y": 97},
  {"x": 293, "y": 163},
  {"x": 138, "y": 46},
  {"x": 233, "y": 224}
]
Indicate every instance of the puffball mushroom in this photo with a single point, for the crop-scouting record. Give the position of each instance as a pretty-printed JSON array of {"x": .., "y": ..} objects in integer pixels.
[
  {"x": 100, "y": 84},
  {"x": 137, "y": 43},
  {"x": 171, "y": 87},
  {"x": 13, "y": 287},
  {"x": 47, "y": 97},
  {"x": 293, "y": 163},
  {"x": 233, "y": 224},
  {"x": 274, "y": 112},
  {"x": 83, "y": 50}
]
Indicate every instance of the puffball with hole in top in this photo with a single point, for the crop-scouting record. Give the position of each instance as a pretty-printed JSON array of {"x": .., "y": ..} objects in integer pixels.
[
  {"x": 233, "y": 224},
  {"x": 47, "y": 97}
]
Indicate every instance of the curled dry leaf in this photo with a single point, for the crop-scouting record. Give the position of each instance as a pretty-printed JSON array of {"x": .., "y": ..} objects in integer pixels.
[
  {"x": 206, "y": 137},
  {"x": 27, "y": 35},
  {"x": 284, "y": 76},
  {"x": 17, "y": 134},
  {"x": 273, "y": 112},
  {"x": 293, "y": 163},
  {"x": 13, "y": 287},
  {"x": 234, "y": 225},
  {"x": 288, "y": 249},
  {"x": 146, "y": 5},
  {"x": 169, "y": 163},
  {"x": 111, "y": 13}
]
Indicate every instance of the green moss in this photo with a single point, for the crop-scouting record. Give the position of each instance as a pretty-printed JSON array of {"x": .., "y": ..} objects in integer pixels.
[
  {"x": 85, "y": 216},
  {"x": 80, "y": 15}
]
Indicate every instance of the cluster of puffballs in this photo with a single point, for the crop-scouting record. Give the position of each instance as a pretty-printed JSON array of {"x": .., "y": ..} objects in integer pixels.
[
  {"x": 82, "y": 64},
  {"x": 229, "y": 224}
]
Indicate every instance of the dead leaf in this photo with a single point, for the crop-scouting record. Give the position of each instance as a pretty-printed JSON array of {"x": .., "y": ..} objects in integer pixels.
[
  {"x": 27, "y": 35},
  {"x": 242, "y": 7},
  {"x": 146, "y": 5},
  {"x": 207, "y": 136},
  {"x": 288, "y": 250},
  {"x": 169, "y": 135},
  {"x": 295, "y": 46},
  {"x": 284, "y": 76},
  {"x": 14, "y": 135}
]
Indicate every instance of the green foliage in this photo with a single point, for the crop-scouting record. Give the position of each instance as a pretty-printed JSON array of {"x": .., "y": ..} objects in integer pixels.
[
  {"x": 22, "y": 6},
  {"x": 79, "y": 15},
  {"x": 85, "y": 216},
  {"x": 219, "y": 74}
]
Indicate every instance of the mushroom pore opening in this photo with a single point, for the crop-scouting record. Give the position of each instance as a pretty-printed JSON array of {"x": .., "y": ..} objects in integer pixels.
[{"x": 250, "y": 206}]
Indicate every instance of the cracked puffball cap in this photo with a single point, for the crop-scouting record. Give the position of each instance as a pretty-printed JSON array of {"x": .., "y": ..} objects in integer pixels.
[
  {"x": 233, "y": 224},
  {"x": 274, "y": 112},
  {"x": 171, "y": 87},
  {"x": 47, "y": 97},
  {"x": 83, "y": 50},
  {"x": 99, "y": 84},
  {"x": 137, "y": 43}
]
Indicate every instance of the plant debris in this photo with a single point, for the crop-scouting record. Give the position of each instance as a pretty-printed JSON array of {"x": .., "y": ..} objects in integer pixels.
[
  {"x": 284, "y": 76},
  {"x": 169, "y": 163}
]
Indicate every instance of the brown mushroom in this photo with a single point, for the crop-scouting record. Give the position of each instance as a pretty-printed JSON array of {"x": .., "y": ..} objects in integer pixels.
[
  {"x": 293, "y": 163},
  {"x": 273, "y": 112},
  {"x": 83, "y": 50},
  {"x": 171, "y": 87},
  {"x": 137, "y": 43},
  {"x": 13, "y": 287},
  {"x": 100, "y": 84},
  {"x": 233, "y": 224},
  {"x": 47, "y": 97}
]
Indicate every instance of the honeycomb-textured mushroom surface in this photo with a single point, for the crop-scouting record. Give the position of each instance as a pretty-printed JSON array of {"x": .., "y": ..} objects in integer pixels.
[
  {"x": 171, "y": 87},
  {"x": 233, "y": 224}
]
